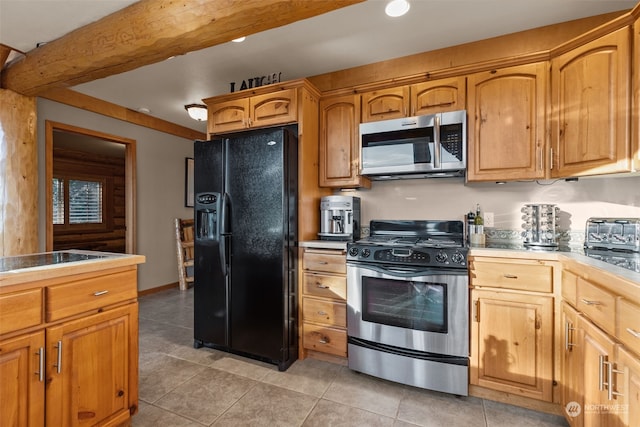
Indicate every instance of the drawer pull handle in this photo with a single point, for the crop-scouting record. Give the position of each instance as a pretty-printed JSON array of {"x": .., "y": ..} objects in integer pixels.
[
  {"x": 589, "y": 302},
  {"x": 324, "y": 340},
  {"x": 97, "y": 294},
  {"x": 322, "y": 313},
  {"x": 40, "y": 372},
  {"x": 58, "y": 364},
  {"x": 323, "y": 262},
  {"x": 634, "y": 333},
  {"x": 510, "y": 276},
  {"x": 321, "y": 286}
]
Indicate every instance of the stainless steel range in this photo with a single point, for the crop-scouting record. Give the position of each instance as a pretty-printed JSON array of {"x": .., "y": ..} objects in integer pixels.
[
  {"x": 615, "y": 241},
  {"x": 408, "y": 304}
]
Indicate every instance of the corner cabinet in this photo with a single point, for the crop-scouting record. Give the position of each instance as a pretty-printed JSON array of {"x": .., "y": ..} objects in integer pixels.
[
  {"x": 340, "y": 143},
  {"x": 279, "y": 107},
  {"x": 69, "y": 349},
  {"x": 512, "y": 326},
  {"x": 506, "y": 123},
  {"x": 590, "y": 125},
  {"x": 429, "y": 97}
]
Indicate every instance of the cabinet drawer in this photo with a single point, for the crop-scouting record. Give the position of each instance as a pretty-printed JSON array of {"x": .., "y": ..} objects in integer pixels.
[
  {"x": 89, "y": 294},
  {"x": 321, "y": 285},
  {"x": 325, "y": 262},
  {"x": 597, "y": 304},
  {"x": 325, "y": 339},
  {"x": 525, "y": 277},
  {"x": 19, "y": 310},
  {"x": 327, "y": 312},
  {"x": 628, "y": 323}
]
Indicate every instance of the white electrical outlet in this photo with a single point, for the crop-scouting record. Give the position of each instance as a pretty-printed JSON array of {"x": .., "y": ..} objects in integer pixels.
[{"x": 488, "y": 219}]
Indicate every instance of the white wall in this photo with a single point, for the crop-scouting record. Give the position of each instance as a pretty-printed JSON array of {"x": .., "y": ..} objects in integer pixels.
[
  {"x": 160, "y": 186},
  {"x": 450, "y": 198}
]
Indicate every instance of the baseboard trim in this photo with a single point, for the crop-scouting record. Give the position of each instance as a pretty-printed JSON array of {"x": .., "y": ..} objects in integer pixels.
[{"x": 158, "y": 289}]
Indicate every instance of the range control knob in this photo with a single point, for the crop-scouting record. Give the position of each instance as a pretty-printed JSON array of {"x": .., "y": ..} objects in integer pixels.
[
  {"x": 458, "y": 258},
  {"x": 353, "y": 251},
  {"x": 441, "y": 257},
  {"x": 365, "y": 253}
]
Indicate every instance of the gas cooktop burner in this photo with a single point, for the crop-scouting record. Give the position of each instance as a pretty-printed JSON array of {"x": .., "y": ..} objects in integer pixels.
[{"x": 411, "y": 241}]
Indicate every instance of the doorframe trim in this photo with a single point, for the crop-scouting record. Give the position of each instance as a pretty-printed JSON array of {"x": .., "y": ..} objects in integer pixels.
[{"x": 130, "y": 179}]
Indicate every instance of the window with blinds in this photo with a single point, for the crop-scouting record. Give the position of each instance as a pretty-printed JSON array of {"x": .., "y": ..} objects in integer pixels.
[{"x": 77, "y": 201}]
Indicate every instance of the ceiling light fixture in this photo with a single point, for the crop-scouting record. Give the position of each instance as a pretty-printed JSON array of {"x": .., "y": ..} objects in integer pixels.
[
  {"x": 239, "y": 39},
  {"x": 397, "y": 8},
  {"x": 197, "y": 111}
]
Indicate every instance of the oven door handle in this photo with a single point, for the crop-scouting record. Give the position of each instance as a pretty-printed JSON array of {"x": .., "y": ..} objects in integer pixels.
[{"x": 412, "y": 271}]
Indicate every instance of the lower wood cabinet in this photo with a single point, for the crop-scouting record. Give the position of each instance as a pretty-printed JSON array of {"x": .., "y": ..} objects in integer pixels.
[
  {"x": 22, "y": 380},
  {"x": 91, "y": 372},
  {"x": 324, "y": 307},
  {"x": 571, "y": 400},
  {"x": 82, "y": 368},
  {"x": 512, "y": 342}
]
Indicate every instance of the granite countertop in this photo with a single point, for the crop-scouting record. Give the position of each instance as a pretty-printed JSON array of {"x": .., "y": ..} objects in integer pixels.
[{"x": 16, "y": 270}]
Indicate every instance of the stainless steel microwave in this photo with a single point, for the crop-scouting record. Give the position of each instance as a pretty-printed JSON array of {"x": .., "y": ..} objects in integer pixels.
[{"x": 415, "y": 147}]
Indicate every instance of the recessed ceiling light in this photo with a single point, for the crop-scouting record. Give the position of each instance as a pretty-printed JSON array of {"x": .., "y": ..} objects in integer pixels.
[
  {"x": 239, "y": 39},
  {"x": 144, "y": 110},
  {"x": 397, "y": 8}
]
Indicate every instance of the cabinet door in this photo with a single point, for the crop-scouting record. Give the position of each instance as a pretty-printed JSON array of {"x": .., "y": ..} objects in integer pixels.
[
  {"x": 571, "y": 368},
  {"x": 506, "y": 122},
  {"x": 385, "y": 104},
  {"x": 21, "y": 381},
  {"x": 92, "y": 369},
  {"x": 273, "y": 108},
  {"x": 597, "y": 349},
  {"x": 228, "y": 116},
  {"x": 512, "y": 343},
  {"x": 438, "y": 96},
  {"x": 340, "y": 143},
  {"x": 590, "y": 94},
  {"x": 629, "y": 410}
]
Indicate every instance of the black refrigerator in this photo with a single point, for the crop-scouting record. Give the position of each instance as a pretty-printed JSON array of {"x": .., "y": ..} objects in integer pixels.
[{"x": 245, "y": 274}]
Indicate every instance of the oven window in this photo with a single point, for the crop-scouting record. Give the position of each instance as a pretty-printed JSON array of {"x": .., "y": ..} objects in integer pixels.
[{"x": 415, "y": 305}]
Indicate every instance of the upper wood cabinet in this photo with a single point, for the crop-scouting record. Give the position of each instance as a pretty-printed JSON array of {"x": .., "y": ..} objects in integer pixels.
[
  {"x": 339, "y": 143},
  {"x": 506, "y": 123},
  {"x": 430, "y": 97},
  {"x": 590, "y": 88},
  {"x": 438, "y": 96},
  {"x": 385, "y": 104},
  {"x": 268, "y": 109}
]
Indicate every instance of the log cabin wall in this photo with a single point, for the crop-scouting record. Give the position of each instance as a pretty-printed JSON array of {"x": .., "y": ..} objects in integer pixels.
[
  {"x": 111, "y": 237},
  {"x": 18, "y": 174}
]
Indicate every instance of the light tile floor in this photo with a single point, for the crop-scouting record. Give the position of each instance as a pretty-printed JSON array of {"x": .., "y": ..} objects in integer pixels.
[{"x": 183, "y": 386}]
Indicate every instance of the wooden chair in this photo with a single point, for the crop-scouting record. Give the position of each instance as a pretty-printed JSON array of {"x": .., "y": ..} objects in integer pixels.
[{"x": 184, "y": 246}]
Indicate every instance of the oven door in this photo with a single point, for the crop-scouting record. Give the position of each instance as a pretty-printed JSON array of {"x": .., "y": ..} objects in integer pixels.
[{"x": 425, "y": 310}]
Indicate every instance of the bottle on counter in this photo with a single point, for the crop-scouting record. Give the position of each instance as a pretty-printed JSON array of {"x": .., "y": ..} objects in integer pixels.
[
  {"x": 477, "y": 238},
  {"x": 478, "y": 221}
]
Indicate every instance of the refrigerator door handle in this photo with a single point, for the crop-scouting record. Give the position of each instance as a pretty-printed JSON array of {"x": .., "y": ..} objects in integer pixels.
[{"x": 224, "y": 234}]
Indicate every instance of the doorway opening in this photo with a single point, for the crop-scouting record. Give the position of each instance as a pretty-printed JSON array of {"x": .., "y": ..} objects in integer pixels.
[{"x": 90, "y": 189}]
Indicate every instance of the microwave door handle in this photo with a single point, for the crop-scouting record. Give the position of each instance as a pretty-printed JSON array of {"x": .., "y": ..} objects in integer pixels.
[{"x": 436, "y": 142}]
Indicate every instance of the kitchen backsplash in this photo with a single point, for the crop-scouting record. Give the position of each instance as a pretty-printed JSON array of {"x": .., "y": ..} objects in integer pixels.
[{"x": 451, "y": 198}]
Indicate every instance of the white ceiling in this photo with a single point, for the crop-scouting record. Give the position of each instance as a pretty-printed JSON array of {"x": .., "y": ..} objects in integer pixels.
[{"x": 352, "y": 36}]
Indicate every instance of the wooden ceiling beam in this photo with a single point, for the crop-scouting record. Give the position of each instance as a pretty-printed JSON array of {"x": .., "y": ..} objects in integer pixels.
[{"x": 148, "y": 32}]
